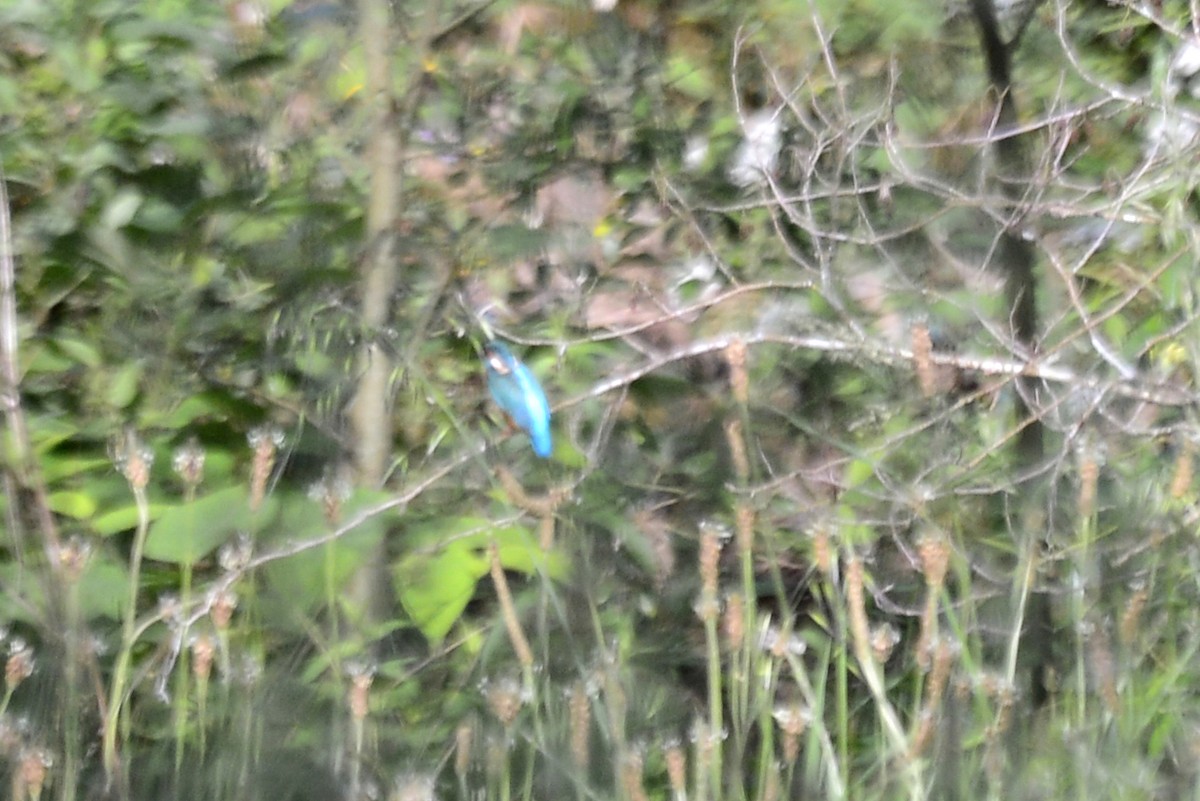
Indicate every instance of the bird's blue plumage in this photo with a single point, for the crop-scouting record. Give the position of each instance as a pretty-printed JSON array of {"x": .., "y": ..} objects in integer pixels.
[{"x": 518, "y": 393}]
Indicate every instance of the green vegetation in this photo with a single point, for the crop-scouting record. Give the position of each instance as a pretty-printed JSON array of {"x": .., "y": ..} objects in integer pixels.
[{"x": 833, "y": 511}]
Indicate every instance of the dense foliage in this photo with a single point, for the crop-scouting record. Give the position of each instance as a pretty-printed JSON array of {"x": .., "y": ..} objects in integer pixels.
[{"x": 832, "y": 511}]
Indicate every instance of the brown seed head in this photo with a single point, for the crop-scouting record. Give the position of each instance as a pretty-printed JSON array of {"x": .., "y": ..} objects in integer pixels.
[
  {"x": 1181, "y": 478},
  {"x": 712, "y": 537},
  {"x": 745, "y": 527},
  {"x": 884, "y": 638},
  {"x": 580, "y": 714},
  {"x": 35, "y": 764},
  {"x": 922, "y": 349},
  {"x": 222, "y": 609},
  {"x": 203, "y": 650},
  {"x": 464, "y": 738},
  {"x": 934, "y": 552},
  {"x": 676, "y": 759},
  {"x": 632, "y": 767},
  {"x": 737, "y": 450},
  {"x": 733, "y": 622},
  {"x": 265, "y": 441},
  {"x": 822, "y": 551},
  {"x": 1132, "y": 616},
  {"x": 739, "y": 379},
  {"x": 505, "y": 698},
  {"x": 19, "y": 665},
  {"x": 358, "y": 696},
  {"x": 134, "y": 460}
]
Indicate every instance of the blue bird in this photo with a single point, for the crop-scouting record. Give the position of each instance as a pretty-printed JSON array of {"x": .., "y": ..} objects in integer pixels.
[{"x": 519, "y": 394}]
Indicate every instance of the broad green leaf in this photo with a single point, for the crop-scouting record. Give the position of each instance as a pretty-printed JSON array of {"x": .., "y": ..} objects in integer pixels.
[
  {"x": 186, "y": 533},
  {"x": 313, "y": 576},
  {"x": 121, "y": 208},
  {"x": 48, "y": 432},
  {"x": 123, "y": 518},
  {"x": 436, "y": 579},
  {"x": 519, "y": 550},
  {"x": 194, "y": 407},
  {"x": 56, "y": 467},
  {"x": 159, "y": 217},
  {"x": 78, "y": 505},
  {"x": 83, "y": 352},
  {"x": 1116, "y": 328},
  {"x": 45, "y": 359},
  {"x": 103, "y": 589},
  {"x": 690, "y": 77},
  {"x": 314, "y": 363},
  {"x": 22, "y": 595},
  {"x": 435, "y": 589},
  {"x": 858, "y": 472},
  {"x": 123, "y": 387}
]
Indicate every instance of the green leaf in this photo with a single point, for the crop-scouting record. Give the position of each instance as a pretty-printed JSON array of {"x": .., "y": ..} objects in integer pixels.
[
  {"x": 690, "y": 77},
  {"x": 1116, "y": 328},
  {"x": 21, "y": 596},
  {"x": 435, "y": 590},
  {"x": 213, "y": 404},
  {"x": 631, "y": 179},
  {"x": 48, "y": 432},
  {"x": 187, "y": 533},
  {"x": 122, "y": 518},
  {"x": 124, "y": 386},
  {"x": 83, "y": 352},
  {"x": 78, "y": 505},
  {"x": 436, "y": 580},
  {"x": 859, "y": 472},
  {"x": 45, "y": 360},
  {"x": 520, "y": 551},
  {"x": 102, "y": 589},
  {"x": 314, "y": 576},
  {"x": 159, "y": 217},
  {"x": 121, "y": 208},
  {"x": 314, "y": 363}
]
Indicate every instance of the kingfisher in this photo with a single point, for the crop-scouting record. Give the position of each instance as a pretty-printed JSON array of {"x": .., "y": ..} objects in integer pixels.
[{"x": 519, "y": 394}]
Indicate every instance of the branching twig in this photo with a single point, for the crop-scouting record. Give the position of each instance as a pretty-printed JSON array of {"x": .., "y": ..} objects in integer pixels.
[{"x": 1165, "y": 395}]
